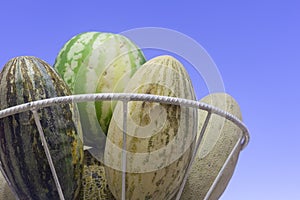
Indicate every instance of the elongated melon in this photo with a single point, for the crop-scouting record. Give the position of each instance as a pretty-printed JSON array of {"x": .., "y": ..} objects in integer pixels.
[
  {"x": 95, "y": 62},
  {"x": 160, "y": 137},
  {"x": 25, "y": 79}
]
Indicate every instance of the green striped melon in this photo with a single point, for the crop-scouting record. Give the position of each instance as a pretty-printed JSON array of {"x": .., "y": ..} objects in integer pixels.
[
  {"x": 26, "y": 79},
  {"x": 160, "y": 137},
  {"x": 95, "y": 62}
]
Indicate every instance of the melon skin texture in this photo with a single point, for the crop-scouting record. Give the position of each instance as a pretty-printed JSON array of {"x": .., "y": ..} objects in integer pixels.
[
  {"x": 160, "y": 137},
  {"x": 94, "y": 183},
  {"x": 5, "y": 191},
  {"x": 96, "y": 62},
  {"x": 25, "y": 79},
  {"x": 218, "y": 141}
]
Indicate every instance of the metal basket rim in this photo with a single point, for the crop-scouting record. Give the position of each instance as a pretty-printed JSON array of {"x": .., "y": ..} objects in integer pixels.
[{"x": 37, "y": 104}]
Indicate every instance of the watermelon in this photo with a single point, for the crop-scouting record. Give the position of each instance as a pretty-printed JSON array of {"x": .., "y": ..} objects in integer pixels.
[
  {"x": 160, "y": 137},
  {"x": 96, "y": 62},
  {"x": 26, "y": 79}
]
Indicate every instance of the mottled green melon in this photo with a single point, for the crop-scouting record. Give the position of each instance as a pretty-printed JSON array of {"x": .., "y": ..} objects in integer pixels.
[
  {"x": 26, "y": 79},
  {"x": 95, "y": 62}
]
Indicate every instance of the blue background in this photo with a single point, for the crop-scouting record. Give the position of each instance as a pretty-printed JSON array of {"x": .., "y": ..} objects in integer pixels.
[{"x": 255, "y": 45}]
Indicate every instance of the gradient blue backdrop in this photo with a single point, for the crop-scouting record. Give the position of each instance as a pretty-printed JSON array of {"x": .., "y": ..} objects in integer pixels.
[{"x": 255, "y": 45}]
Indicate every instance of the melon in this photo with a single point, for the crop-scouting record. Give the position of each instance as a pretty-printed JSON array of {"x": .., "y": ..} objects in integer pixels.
[
  {"x": 94, "y": 183},
  {"x": 159, "y": 138},
  {"x": 219, "y": 140},
  {"x": 96, "y": 62},
  {"x": 25, "y": 79},
  {"x": 5, "y": 191}
]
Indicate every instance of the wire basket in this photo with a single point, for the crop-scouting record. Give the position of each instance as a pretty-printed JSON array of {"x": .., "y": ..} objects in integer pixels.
[{"x": 125, "y": 98}]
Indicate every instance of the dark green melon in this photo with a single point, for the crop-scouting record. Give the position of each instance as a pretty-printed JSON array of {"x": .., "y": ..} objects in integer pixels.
[{"x": 25, "y": 79}]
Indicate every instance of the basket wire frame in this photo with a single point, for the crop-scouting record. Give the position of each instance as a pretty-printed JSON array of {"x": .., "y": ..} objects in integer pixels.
[{"x": 125, "y": 98}]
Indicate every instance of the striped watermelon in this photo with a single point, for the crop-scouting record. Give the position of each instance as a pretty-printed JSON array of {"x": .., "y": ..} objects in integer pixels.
[
  {"x": 160, "y": 137},
  {"x": 25, "y": 79},
  {"x": 94, "y": 62}
]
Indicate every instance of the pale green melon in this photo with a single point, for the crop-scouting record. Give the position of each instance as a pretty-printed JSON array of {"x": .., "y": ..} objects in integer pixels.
[
  {"x": 160, "y": 137},
  {"x": 218, "y": 141}
]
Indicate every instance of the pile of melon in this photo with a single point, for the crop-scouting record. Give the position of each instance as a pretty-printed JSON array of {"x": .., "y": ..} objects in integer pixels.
[{"x": 85, "y": 139}]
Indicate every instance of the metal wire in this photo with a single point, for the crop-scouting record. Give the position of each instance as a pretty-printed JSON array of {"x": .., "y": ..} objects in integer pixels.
[
  {"x": 128, "y": 97},
  {"x": 125, "y": 98},
  {"x": 124, "y": 157},
  {"x": 212, "y": 187},
  {"x": 47, "y": 151},
  {"x": 194, "y": 155}
]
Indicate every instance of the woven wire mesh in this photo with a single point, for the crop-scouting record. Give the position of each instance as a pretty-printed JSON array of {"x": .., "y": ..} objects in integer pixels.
[{"x": 125, "y": 98}]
